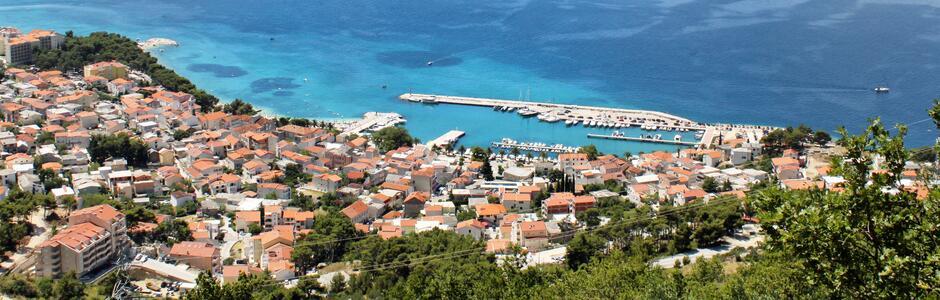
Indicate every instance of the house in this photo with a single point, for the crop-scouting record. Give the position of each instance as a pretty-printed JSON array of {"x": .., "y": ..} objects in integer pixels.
[
  {"x": 490, "y": 212},
  {"x": 243, "y": 219},
  {"x": 279, "y": 191},
  {"x": 199, "y": 255},
  {"x": 414, "y": 203},
  {"x": 532, "y": 235},
  {"x": 516, "y": 201},
  {"x": 357, "y": 212},
  {"x": 472, "y": 227},
  {"x": 786, "y": 168},
  {"x": 326, "y": 182},
  {"x": 178, "y": 198},
  {"x": 568, "y": 162},
  {"x": 231, "y": 273}
]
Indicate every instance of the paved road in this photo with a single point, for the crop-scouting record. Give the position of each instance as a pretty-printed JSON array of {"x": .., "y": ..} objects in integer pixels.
[
  {"x": 23, "y": 258},
  {"x": 550, "y": 256},
  {"x": 231, "y": 237},
  {"x": 750, "y": 237}
]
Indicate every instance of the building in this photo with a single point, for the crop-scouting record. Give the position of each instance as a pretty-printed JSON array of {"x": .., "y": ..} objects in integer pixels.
[
  {"x": 532, "y": 235},
  {"x": 18, "y": 49},
  {"x": 109, "y": 70},
  {"x": 95, "y": 236},
  {"x": 200, "y": 255}
]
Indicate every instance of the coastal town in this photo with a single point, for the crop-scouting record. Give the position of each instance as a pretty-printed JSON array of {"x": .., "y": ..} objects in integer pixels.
[{"x": 144, "y": 180}]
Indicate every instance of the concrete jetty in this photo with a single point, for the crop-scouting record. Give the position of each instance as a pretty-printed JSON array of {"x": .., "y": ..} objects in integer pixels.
[
  {"x": 447, "y": 139},
  {"x": 372, "y": 121},
  {"x": 568, "y": 111}
]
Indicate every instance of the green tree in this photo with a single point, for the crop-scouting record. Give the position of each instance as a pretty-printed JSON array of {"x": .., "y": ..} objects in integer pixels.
[
  {"x": 710, "y": 185},
  {"x": 391, "y": 138},
  {"x": 121, "y": 145},
  {"x": 590, "y": 150},
  {"x": 68, "y": 287},
  {"x": 255, "y": 229},
  {"x": 582, "y": 248},
  {"x": 206, "y": 288},
  {"x": 864, "y": 242},
  {"x": 239, "y": 107},
  {"x": 487, "y": 170}
]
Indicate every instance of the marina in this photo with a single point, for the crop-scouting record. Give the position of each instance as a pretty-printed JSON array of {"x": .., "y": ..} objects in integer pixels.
[
  {"x": 508, "y": 144},
  {"x": 641, "y": 139},
  {"x": 706, "y": 134}
]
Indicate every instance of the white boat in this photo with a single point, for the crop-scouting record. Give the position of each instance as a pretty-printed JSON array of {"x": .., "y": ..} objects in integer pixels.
[
  {"x": 677, "y": 138},
  {"x": 881, "y": 89},
  {"x": 528, "y": 112},
  {"x": 569, "y": 122}
]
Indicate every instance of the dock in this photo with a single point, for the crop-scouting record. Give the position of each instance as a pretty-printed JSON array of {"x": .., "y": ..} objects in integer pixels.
[
  {"x": 373, "y": 121},
  {"x": 448, "y": 138},
  {"x": 610, "y": 118},
  {"x": 639, "y": 139},
  {"x": 509, "y": 144},
  {"x": 564, "y": 112}
]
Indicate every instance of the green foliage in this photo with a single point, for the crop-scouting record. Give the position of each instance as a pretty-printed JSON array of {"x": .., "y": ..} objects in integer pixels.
[
  {"x": 179, "y": 135},
  {"x": 458, "y": 277},
  {"x": 486, "y": 171},
  {"x": 254, "y": 228},
  {"x": 100, "y": 46},
  {"x": 391, "y": 138},
  {"x": 253, "y": 286},
  {"x": 792, "y": 138},
  {"x": 582, "y": 248},
  {"x": 590, "y": 150},
  {"x": 121, "y": 145},
  {"x": 329, "y": 242},
  {"x": 864, "y": 242},
  {"x": 50, "y": 179},
  {"x": 171, "y": 232},
  {"x": 710, "y": 185},
  {"x": 294, "y": 175},
  {"x": 239, "y": 107}
]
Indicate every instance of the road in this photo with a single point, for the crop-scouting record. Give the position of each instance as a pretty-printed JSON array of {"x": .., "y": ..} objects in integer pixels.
[
  {"x": 550, "y": 256},
  {"x": 23, "y": 259},
  {"x": 750, "y": 237},
  {"x": 231, "y": 237}
]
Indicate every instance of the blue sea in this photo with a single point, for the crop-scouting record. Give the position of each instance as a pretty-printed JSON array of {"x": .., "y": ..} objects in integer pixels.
[{"x": 770, "y": 62}]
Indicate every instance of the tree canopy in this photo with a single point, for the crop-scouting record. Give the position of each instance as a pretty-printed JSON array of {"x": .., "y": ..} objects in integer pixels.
[{"x": 390, "y": 138}]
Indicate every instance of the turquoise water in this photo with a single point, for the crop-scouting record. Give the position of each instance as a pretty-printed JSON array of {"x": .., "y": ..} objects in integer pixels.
[{"x": 781, "y": 62}]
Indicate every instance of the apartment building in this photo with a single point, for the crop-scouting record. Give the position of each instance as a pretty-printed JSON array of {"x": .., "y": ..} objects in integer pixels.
[{"x": 94, "y": 237}]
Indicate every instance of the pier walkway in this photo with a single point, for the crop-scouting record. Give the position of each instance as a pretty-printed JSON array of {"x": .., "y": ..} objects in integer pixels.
[
  {"x": 372, "y": 121},
  {"x": 565, "y": 111},
  {"x": 447, "y": 139}
]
